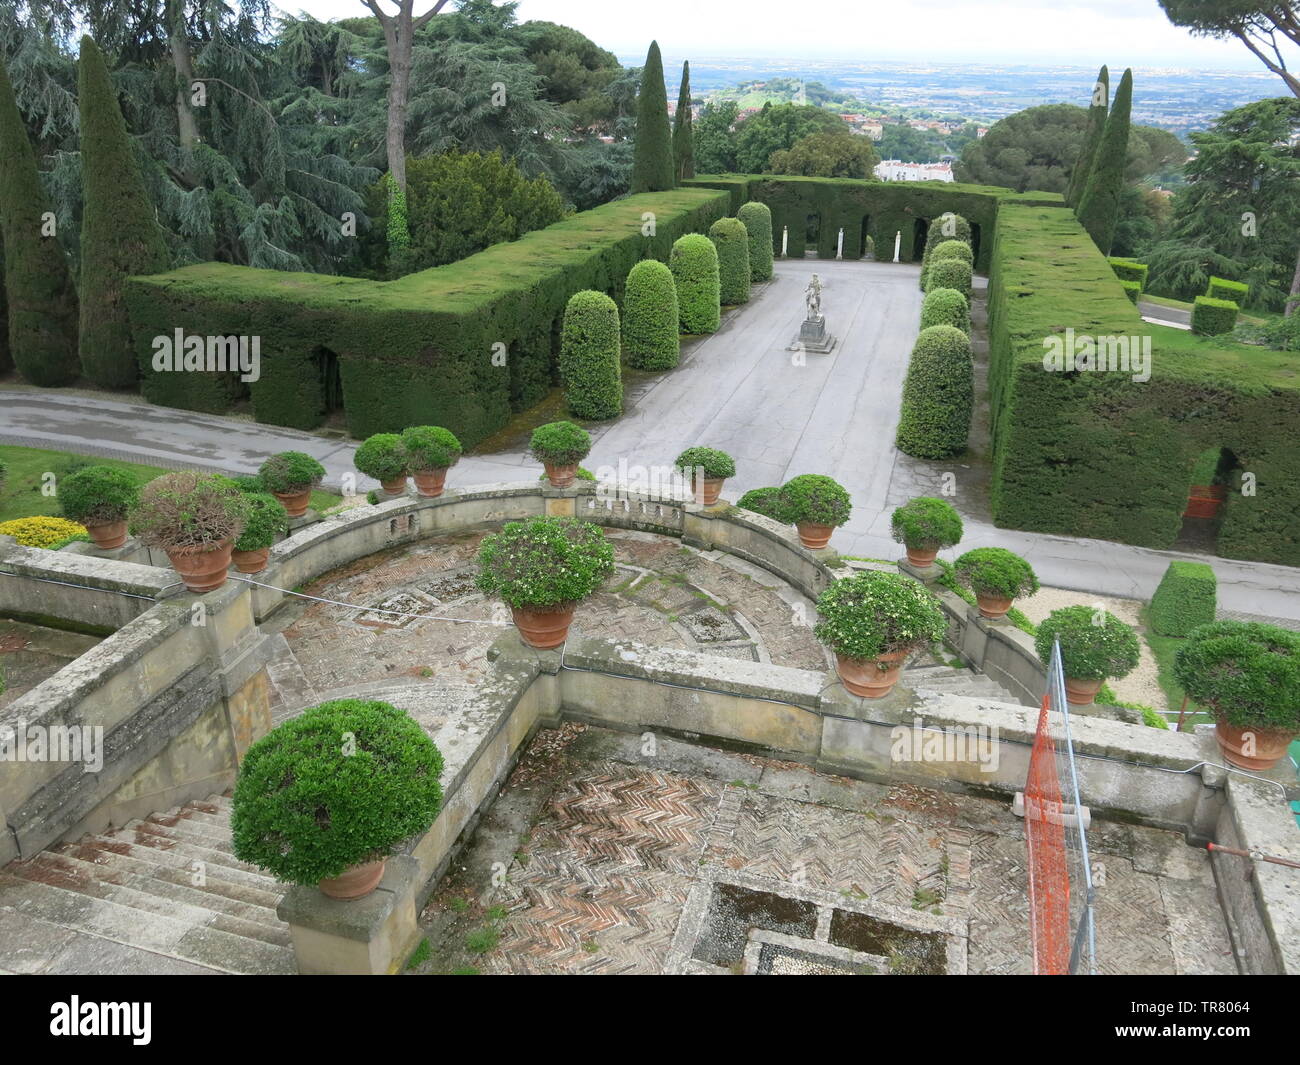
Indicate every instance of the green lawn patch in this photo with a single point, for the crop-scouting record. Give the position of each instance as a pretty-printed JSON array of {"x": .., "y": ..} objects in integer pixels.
[{"x": 28, "y": 468}]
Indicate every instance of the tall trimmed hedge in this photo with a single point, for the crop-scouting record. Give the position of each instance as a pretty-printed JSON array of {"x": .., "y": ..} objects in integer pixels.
[
  {"x": 42, "y": 300},
  {"x": 938, "y": 395},
  {"x": 653, "y": 165},
  {"x": 651, "y": 340},
  {"x": 589, "y": 357},
  {"x": 461, "y": 346},
  {"x": 1098, "y": 208},
  {"x": 1100, "y": 455},
  {"x": 946, "y": 306},
  {"x": 694, "y": 265},
  {"x": 757, "y": 220},
  {"x": 732, "y": 241},
  {"x": 1185, "y": 598},
  {"x": 119, "y": 236}
]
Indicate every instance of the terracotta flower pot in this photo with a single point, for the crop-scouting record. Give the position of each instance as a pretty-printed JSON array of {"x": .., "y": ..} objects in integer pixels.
[
  {"x": 544, "y": 629},
  {"x": 294, "y": 503},
  {"x": 707, "y": 492},
  {"x": 1081, "y": 692},
  {"x": 251, "y": 561},
  {"x": 109, "y": 535},
  {"x": 560, "y": 476},
  {"x": 922, "y": 556},
  {"x": 871, "y": 678},
  {"x": 430, "y": 482},
  {"x": 396, "y": 486},
  {"x": 992, "y": 606},
  {"x": 354, "y": 882},
  {"x": 813, "y": 535},
  {"x": 1248, "y": 748},
  {"x": 202, "y": 570}
]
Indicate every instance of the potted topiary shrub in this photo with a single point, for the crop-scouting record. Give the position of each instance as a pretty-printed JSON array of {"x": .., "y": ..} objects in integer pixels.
[
  {"x": 266, "y": 520},
  {"x": 195, "y": 518},
  {"x": 290, "y": 476},
  {"x": 1247, "y": 675},
  {"x": 707, "y": 468},
  {"x": 542, "y": 568},
  {"x": 430, "y": 451},
  {"x": 325, "y": 797},
  {"x": 924, "y": 525},
  {"x": 99, "y": 497},
  {"x": 560, "y": 446},
  {"x": 816, "y": 505},
  {"x": 1095, "y": 647},
  {"x": 996, "y": 576},
  {"x": 382, "y": 457},
  {"x": 873, "y": 621}
]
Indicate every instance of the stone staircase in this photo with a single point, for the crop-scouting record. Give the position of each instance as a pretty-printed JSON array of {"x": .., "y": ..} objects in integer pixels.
[
  {"x": 160, "y": 895},
  {"x": 930, "y": 675}
]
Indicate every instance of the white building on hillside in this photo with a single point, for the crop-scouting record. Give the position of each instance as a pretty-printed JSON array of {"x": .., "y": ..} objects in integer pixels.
[{"x": 894, "y": 170}]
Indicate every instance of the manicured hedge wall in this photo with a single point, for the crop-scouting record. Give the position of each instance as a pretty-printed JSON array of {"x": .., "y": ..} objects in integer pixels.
[
  {"x": 419, "y": 350},
  {"x": 1130, "y": 270},
  {"x": 1212, "y": 317},
  {"x": 1221, "y": 288},
  {"x": 1184, "y": 599},
  {"x": 1100, "y": 455},
  {"x": 887, "y": 207}
]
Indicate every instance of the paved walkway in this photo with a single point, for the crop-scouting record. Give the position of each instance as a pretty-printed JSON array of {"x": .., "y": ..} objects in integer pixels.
[{"x": 738, "y": 390}]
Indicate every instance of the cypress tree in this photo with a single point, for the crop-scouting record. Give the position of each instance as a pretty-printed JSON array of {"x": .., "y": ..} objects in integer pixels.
[
  {"x": 1091, "y": 138},
  {"x": 683, "y": 132},
  {"x": 6, "y": 361},
  {"x": 41, "y": 297},
  {"x": 119, "y": 234},
  {"x": 653, "y": 165},
  {"x": 1098, "y": 209}
]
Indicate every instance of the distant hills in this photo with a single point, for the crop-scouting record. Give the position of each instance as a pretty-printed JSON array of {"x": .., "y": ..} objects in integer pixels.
[{"x": 1179, "y": 100}]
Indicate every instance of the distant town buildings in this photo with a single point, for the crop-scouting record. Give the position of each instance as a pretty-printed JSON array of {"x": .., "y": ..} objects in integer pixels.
[{"x": 895, "y": 170}]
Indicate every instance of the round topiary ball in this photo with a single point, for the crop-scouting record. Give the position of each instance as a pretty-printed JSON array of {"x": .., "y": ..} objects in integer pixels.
[
  {"x": 341, "y": 784},
  {"x": 945, "y": 306},
  {"x": 732, "y": 241},
  {"x": 951, "y": 249},
  {"x": 949, "y": 273},
  {"x": 694, "y": 265},
  {"x": 651, "y": 340},
  {"x": 757, "y": 220},
  {"x": 938, "y": 395},
  {"x": 589, "y": 357},
  {"x": 1095, "y": 644}
]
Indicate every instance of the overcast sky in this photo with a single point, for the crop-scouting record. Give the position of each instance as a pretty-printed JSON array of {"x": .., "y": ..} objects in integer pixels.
[{"x": 1075, "y": 32}]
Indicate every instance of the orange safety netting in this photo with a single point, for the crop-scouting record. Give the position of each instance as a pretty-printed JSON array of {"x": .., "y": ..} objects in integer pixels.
[{"x": 1049, "y": 877}]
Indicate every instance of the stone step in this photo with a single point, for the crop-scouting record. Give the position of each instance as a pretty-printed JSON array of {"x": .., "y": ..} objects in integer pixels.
[
  {"x": 202, "y": 944},
  {"x": 154, "y": 853},
  {"x": 172, "y": 882},
  {"x": 60, "y": 871},
  {"x": 189, "y": 825},
  {"x": 149, "y": 835}
]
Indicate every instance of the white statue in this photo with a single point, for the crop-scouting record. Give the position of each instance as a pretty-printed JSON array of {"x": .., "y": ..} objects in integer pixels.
[{"x": 813, "y": 297}]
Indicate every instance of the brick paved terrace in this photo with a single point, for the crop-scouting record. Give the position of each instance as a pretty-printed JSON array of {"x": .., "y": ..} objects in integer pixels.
[
  {"x": 661, "y": 593},
  {"x": 611, "y": 853}
]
